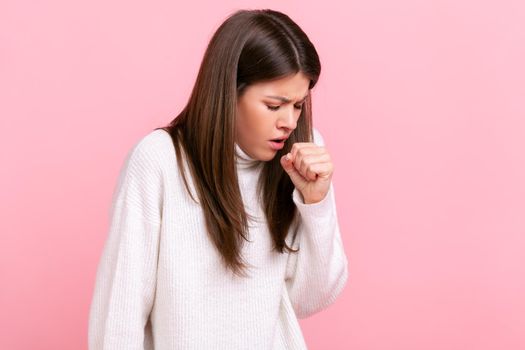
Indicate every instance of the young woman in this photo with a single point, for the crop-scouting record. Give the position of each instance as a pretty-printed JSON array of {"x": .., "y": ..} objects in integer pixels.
[{"x": 224, "y": 228}]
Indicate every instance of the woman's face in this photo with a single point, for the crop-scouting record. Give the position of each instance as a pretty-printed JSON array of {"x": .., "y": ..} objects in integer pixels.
[{"x": 267, "y": 111}]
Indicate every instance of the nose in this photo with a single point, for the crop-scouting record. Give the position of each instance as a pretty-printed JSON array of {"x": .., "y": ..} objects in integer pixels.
[{"x": 288, "y": 118}]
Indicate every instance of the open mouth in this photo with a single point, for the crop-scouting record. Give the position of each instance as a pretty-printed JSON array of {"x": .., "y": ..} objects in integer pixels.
[{"x": 277, "y": 144}]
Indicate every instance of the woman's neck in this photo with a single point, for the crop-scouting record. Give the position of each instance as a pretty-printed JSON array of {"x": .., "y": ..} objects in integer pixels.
[{"x": 243, "y": 160}]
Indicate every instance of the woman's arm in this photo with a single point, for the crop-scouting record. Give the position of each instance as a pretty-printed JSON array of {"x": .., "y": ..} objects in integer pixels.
[
  {"x": 126, "y": 277},
  {"x": 317, "y": 274}
]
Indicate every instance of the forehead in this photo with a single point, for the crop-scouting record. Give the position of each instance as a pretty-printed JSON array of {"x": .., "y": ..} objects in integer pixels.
[{"x": 293, "y": 87}]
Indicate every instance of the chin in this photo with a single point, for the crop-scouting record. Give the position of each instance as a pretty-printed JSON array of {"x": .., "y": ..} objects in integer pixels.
[
  {"x": 265, "y": 155},
  {"x": 270, "y": 156}
]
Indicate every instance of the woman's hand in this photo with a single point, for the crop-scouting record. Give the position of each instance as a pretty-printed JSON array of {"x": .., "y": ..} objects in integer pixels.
[{"x": 310, "y": 168}]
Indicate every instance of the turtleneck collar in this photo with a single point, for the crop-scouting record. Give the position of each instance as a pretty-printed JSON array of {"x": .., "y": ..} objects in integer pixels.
[{"x": 243, "y": 160}]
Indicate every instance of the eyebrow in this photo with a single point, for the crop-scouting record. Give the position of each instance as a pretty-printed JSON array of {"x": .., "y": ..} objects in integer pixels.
[{"x": 284, "y": 99}]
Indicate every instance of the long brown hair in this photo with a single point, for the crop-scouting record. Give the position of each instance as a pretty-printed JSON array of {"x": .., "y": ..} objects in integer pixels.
[{"x": 248, "y": 47}]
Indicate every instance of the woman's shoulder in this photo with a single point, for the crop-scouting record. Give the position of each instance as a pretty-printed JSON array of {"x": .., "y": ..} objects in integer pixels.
[
  {"x": 318, "y": 137},
  {"x": 151, "y": 151},
  {"x": 156, "y": 140}
]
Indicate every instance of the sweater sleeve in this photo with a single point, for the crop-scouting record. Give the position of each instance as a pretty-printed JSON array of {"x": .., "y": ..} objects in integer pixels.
[
  {"x": 126, "y": 276},
  {"x": 317, "y": 274}
]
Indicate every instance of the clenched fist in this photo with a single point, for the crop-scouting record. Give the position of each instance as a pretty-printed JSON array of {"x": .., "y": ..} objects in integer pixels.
[{"x": 310, "y": 168}]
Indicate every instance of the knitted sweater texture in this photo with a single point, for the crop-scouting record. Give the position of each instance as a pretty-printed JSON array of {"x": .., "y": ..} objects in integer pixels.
[{"x": 160, "y": 283}]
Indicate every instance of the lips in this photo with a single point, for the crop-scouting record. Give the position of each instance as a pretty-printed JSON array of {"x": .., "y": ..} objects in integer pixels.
[
  {"x": 280, "y": 139},
  {"x": 276, "y": 145}
]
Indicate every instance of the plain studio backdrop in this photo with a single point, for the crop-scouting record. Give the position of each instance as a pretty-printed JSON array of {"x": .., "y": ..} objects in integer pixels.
[{"x": 421, "y": 104}]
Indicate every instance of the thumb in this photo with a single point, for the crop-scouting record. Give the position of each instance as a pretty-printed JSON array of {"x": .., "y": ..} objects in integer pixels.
[{"x": 298, "y": 180}]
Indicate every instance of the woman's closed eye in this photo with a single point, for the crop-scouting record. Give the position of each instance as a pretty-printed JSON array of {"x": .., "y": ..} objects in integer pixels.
[{"x": 274, "y": 108}]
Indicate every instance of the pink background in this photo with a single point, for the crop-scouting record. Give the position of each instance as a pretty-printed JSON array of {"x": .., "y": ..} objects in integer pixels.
[{"x": 421, "y": 104}]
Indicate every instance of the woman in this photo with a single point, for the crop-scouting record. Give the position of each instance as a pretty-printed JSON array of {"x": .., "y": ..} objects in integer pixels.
[{"x": 223, "y": 227}]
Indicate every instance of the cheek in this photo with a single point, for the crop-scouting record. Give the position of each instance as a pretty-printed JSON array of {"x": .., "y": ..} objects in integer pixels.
[
  {"x": 256, "y": 122},
  {"x": 246, "y": 123},
  {"x": 258, "y": 119}
]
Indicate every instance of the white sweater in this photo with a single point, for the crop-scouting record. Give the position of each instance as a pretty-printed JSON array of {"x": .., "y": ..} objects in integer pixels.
[{"x": 160, "y": 284}]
